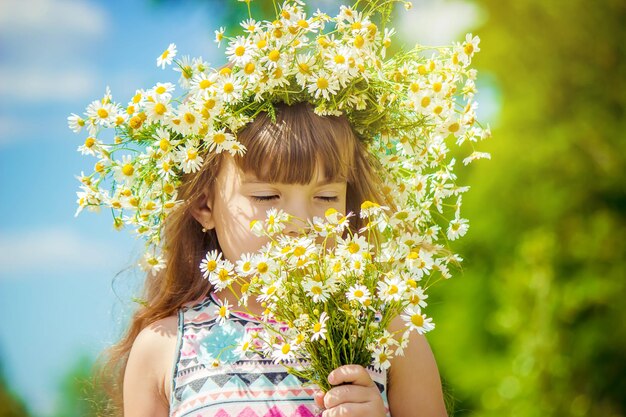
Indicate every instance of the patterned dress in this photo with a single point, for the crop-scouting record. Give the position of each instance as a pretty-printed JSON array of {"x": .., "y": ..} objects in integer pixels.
[{"x": 211, "y": 379}]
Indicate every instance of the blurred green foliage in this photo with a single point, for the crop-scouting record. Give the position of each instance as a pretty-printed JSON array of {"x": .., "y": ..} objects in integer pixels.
[
  {"x": 534, "y": 326},
  {"x": 80, "y": 396},
  {"x": 10, "y": 404}
]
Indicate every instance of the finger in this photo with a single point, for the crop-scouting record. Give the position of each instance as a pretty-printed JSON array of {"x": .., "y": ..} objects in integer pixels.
[
  {"x": 350, "y": 374},
  {"x": 345, "y": 394},
  {"x": 319, "y": 399}
]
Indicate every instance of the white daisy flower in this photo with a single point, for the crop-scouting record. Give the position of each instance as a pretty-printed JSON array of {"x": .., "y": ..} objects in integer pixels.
[
  {"x": 124, "y": 171},
  {"x": 391, "y": 289},
  {"x": 189, "y": 158},
  {"x": 417, "y": 321},
  {"x": 318, "y": 292},
  {"x": 158, "y": 110},
  {"x": 283, "y": 352},
  {"x": 210, "y": 263},
  {"x": 359, "y": 293},
  {"x": 380, "y": 358},
  {"x": 223, "y": 311},
  {"x": 187, "y": 120},
  {"x": 76, "y": 123},
  {"x": 319, "y": 328},
  {"x": 102, "y": 114},
  {"x": 240, "y": 50},
  {"x": 457, "y": 228},
  {"x": 244, "y": 266},
  {"x": 321, "y": 83},
  {"x": 153, "y": 263},
  {"x": 167, "y": 56}
]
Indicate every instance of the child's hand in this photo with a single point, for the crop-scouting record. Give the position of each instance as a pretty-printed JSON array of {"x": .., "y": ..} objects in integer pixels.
[{"x": 359, "y": 397}]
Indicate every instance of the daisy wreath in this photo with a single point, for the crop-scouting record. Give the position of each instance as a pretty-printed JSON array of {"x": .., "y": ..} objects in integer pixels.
[{"x": 407, "y": 108}]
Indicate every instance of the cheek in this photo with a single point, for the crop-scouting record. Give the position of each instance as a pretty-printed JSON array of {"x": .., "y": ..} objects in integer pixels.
[{"x": 232, "y": 226}]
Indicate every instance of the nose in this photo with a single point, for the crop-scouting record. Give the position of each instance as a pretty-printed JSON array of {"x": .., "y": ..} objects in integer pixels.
[{"x": 300, "y": 212}]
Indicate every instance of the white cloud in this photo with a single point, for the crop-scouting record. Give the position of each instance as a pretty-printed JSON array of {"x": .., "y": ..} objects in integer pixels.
[
  {"x": 35, "y": 85},
  {"x": 439, "y": 22},
  {"x": 51, "y": 16},
  {"x": 53, "y": 250}
]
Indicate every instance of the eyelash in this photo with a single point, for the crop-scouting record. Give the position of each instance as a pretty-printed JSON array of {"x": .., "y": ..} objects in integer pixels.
[{"x": 265, "y": 198}]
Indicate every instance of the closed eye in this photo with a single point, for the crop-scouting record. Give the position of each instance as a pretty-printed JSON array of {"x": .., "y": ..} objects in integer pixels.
[
  {"x": 328, "y": 199},
  {"x": 262, "y": 198}
]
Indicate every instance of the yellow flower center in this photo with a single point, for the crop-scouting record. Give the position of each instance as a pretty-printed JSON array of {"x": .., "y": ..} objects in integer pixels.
[
  {"x": 468, "y": 49},
  {"x": 271, "y": 290},
  {"x": 286, "y": 348},
  {"x": 204, "y": 84},
  {"x": 393, "y": 289},
  {"x": 240, "y": 50},
  {"x": 262, "y": 267},
  {"x": 160, "y": 89},
  {"x": 299, "y": 251},
  {"x": 229, "y": 88},
  {"x": 103, "y": 114},
  {"x": 246, "y": 267},
  {"x": 223, "y": 274},
  {"x": 304, "y": 67},
  {"x": 417, "y": 320},
  {"x": 274, "y": 55},
  {"x": 425, "y": 101},
  {"x": 356, "y": 26},
  {"x": 317, "y": 327},
  {"x": 189, "y": 118},
  {"x": 316, "y": 290},
  {"x": 437, "y": 87},
  {"x": 278, "y": 73},
  {"x": 168, "y": 188},
  {"x": 192, "y": 154},
  {"x": 454, "y": 127},
  {"x": 340, "y": 59},
  {"x": 223, "y": 311},
  {"x": 322, "y": 83},
  {"x": 159, "y": 109},
  {"x": 262, "y": 43},
  {"x": 98, "y": 167},
  {"x": 164, "y": 145},
  {"x": 359, "y": 293},
  {"x": 359, "y": 41},
  {"x": 165, "y": 54},
  {"x": 137, "y": 98},
  {"x": 128, "y": 170},
  {"x": 415, "y": 87},
  {"x": 89, "y": 142},
  {"x": 249, "y": 68},
  {"x": 219, "y": 138},
  {"x": 303, "y": 23},
  {"x": 353, "y": 247},
  {"x": 211, "y": 265}
]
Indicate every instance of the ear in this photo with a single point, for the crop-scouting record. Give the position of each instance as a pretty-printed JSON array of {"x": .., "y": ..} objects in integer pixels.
[{"x": 202, "y": 211}]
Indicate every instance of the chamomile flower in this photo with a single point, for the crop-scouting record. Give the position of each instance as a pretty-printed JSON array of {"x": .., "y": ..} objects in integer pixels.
[
  {"x": 189, "y": 158},
  {"x": 102, "y": 114},
  {"x": 229, "y": 88},
  {"x": 187, "y": 120},
  {"x": 354, "y": 247},
  {"x": 167, "y": 56},
  {"x": 223, "y": 311},
  {"x": 210, "y": 263},
  {"x": 186, "y": 69},
  {"x": 283, "y": 352},
  {"x": 218, "y": 140},
  {"x": 158, "y": 109},
  {"x": 417, "y": 321},
  {"x": 322, "y": 84},
  {"x": 125, "y": 171},
  {"x": 359, "y": 293},
  {"x": 391, "y": 289},
  {"x": 318, "y": 292},
  {"x": 457, "y": 228},
  {"x": 318, "y": 331},
  {"x": 244, "y": 266},
  {"x": 240, "y": 50},
  {"x": 153, "y": 263},
  {"x": 380, "y": 357},
  {"x": 219, "y": 35},
  {"x": 76, "y": 123}
]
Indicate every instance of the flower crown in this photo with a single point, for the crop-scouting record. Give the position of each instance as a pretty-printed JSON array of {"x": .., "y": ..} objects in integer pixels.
[{"x": 405, "y": 108}]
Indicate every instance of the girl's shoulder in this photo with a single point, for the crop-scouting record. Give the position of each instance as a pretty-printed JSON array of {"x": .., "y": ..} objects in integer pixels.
[{"x": 147, "y": 378}]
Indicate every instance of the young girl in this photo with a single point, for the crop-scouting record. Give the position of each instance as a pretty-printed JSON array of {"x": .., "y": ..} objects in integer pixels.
[{"x": 303, "y": 164}]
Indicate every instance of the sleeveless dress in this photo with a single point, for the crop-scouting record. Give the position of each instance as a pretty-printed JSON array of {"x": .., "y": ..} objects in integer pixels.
[{"x": 210, "y": 379}]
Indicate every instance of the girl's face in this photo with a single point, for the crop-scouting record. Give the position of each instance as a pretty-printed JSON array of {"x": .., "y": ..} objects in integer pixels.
[{"x": 239, "y": 198}]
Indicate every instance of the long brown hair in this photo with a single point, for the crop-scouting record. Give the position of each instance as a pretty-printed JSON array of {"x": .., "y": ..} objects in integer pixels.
[{"x": 288, "y": 150}]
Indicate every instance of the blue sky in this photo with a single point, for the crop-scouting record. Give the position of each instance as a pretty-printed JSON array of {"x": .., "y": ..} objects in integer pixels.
[{"x": 57, "y": 298}]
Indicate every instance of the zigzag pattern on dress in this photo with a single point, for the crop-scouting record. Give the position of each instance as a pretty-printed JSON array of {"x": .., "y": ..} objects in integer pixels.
[{"x": 210, "y": 379}]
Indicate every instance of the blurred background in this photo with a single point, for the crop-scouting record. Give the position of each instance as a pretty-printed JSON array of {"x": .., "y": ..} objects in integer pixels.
[{"x": 532, "y": 325}]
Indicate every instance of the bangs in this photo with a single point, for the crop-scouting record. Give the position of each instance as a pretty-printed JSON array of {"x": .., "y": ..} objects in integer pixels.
[{"x": 292, "y": 150}]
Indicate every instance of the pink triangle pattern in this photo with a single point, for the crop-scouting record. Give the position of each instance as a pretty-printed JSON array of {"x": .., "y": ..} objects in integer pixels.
[
  {"x": 274, "y": 412},
  {"x": 303, "y": 411},
  {"x": 247, "y": 412}
]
